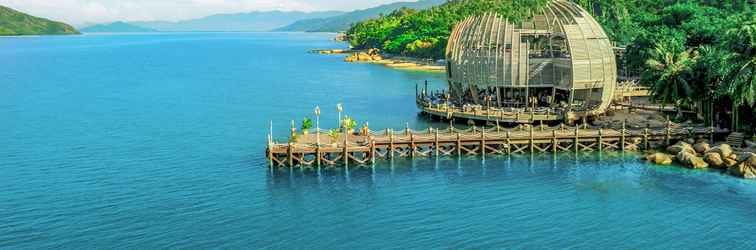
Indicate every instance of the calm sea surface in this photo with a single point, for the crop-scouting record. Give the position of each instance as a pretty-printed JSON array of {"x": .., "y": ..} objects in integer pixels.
[{"x": 157, "y": 141}]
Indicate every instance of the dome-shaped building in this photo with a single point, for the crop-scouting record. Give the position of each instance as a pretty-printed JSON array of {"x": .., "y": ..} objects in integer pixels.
[{"x": 560, "y": 60}]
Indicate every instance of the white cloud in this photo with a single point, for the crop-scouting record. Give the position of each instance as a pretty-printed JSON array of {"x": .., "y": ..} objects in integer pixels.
[{"x": 79, "y": 12}]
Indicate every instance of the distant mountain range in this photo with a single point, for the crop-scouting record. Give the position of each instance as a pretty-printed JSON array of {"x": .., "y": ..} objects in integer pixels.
[
  {"x": 252, "y": 21},
  {"x": 324, "y": 21},
  {"x": 344, "y": 21},
  {"x": 116, "y": 27},
  {"x": 15, "y": 23}
]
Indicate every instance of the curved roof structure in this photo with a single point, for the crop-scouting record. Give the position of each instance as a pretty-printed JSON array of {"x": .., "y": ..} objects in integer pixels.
[{"x": 561, "y": 47}]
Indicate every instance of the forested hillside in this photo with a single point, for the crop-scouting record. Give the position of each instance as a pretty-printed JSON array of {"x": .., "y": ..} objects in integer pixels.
[{"x": 15, "y": 23}]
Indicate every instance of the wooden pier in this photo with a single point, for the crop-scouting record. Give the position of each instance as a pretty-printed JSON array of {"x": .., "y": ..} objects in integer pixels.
[{"x": 350, "y": 149}]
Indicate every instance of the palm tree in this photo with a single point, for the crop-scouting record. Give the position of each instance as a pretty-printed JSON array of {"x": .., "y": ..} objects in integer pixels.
[
  {"x": 707, "y": 77},
  {"x": 740, "y": 69},
  {"x": 668, "y": 68},
  {"x": 740, "y": 81}
]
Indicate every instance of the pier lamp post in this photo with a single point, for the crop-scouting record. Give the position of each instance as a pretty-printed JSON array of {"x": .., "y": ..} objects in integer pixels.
[
  {"x": 317, "y": 125},
  {"x": 339, "y": 108}
]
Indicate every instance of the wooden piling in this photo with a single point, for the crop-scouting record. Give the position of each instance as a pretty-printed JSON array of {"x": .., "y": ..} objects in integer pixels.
[
  {"x": 577, "y": 139},
  {"x": 532, "y": 146},
  {"x": 391, "y": 144},
  {"x": 509, "y": 142},
  {"x": 412, "y": 145},
  {"x": 346, "y": 149},
  {"x": 622, "y": 135},
  {"x": 483, "y": 142},
  {"x": 270, "y": 150},
  {"x": 317, "y": 155},
  {"x": 459, "y": 145},
  {"x": 372, "y": 150},
  {"x": 600, "y": 141},
  {"x": 289, "y": 155},
  {"x": 554, "y": 143},
  {"x": 436, "y": 144},
  {"x": 645, "y": 139}
]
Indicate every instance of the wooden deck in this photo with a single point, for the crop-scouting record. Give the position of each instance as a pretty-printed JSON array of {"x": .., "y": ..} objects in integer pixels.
[
  {"x": 387, "y": 144},
  {"x": 522, "y": 116}
]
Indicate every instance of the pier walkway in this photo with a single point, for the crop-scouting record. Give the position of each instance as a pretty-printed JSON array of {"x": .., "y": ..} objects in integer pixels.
[{"x": 365, "y": 149}]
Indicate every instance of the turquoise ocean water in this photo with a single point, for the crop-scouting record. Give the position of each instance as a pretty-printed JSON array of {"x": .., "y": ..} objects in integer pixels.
[{"x": 157, "y": 141}]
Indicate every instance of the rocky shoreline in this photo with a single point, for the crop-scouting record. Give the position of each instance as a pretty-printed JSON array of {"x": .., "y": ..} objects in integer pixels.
[
  {"x": 396, "y": 62},
  {"x": 702, "y": 155},
  {"x": 391, "y": 61}
]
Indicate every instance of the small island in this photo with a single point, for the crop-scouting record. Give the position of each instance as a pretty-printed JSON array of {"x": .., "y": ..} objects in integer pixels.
[{"x": 15, "y": 23}]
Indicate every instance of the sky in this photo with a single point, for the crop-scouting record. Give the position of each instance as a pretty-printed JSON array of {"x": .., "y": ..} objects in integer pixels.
[{"x": 83, "y": 12}]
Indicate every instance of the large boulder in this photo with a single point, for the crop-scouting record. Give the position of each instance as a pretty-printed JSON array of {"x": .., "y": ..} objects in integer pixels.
[
  {"x": 714, "y": 160},
  {"x": 680, "y": 147},
  {"x": 746, "y": 169},
  {"x": 724, "y": 150},
  {"x": 690, "y": 160},
  {"x": 659, "y": 158},
  {"x": 701, "y": 147}
]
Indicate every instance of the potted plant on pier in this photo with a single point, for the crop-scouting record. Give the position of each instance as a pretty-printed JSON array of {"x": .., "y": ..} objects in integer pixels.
[
  {"x": 306, "y": 125},
  {"x": 334, "y": 134},
  {"x": 349, "y": 124}
]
